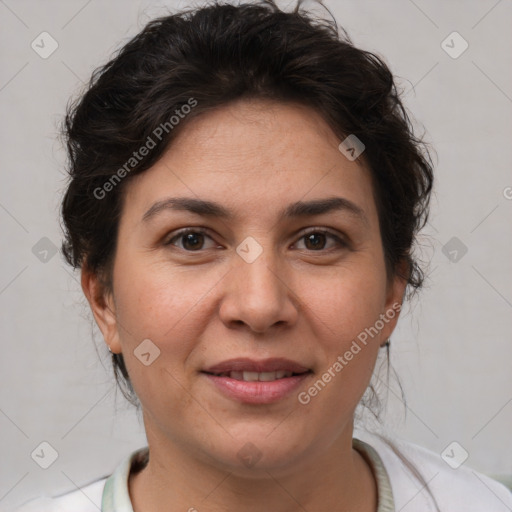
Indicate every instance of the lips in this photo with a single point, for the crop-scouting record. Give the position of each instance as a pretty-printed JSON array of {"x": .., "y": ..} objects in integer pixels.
[{"x": 257, "y": 382}]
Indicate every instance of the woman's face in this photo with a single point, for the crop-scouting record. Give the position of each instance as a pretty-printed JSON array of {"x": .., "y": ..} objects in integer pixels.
[{"x": 252, "y": 286}]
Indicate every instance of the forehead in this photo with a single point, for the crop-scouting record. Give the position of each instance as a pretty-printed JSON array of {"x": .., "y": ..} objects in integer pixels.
[{"x": 254, "y": 154}]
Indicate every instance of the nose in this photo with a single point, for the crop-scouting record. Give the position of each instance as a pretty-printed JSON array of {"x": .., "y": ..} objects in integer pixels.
[{"x": 258, "y": 294}]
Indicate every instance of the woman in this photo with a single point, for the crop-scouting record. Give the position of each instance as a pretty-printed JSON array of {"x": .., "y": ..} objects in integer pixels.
[{"x": 244, "y": 198}]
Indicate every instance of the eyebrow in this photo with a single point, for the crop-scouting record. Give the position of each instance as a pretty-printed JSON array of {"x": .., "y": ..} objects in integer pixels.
[{"x": 298, "y": 209}]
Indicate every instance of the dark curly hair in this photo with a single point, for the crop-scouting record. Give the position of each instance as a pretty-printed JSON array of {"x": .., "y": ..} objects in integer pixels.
[{"x": 211, "y": 56}]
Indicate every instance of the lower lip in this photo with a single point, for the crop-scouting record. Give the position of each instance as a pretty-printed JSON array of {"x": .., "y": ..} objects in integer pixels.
[{"x": 257, "y": 392}]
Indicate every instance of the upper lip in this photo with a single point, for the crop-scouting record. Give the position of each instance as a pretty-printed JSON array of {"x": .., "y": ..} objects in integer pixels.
[{"x": 244, "y": 364}]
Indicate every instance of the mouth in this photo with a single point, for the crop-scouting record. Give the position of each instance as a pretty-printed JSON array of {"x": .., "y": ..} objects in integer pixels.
[
  {"x": 258, "y": 376},
  {"x": 257, "y": 382}
]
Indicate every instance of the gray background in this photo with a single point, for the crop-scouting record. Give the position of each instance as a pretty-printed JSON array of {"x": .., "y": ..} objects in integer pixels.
[{"x": 452, "y": 348}]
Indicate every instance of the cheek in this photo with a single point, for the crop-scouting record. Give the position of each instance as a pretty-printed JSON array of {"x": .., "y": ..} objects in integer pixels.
[
  {"x": 348, "y": 302},
  {"x": 345, "y": 310},
  {"x": 157, "y": 303},
  {"x": 169, "y": 310}
]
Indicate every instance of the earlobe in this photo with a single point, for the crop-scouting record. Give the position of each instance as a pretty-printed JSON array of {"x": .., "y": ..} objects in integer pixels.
[{"x": 103, "y": 308}]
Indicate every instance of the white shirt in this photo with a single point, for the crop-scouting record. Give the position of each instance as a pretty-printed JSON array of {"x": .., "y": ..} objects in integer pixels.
[{"x": 455, "y": 490}]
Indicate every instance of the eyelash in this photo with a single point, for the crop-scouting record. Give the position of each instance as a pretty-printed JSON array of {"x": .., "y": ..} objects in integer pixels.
[{"x": 341, "y": 243}]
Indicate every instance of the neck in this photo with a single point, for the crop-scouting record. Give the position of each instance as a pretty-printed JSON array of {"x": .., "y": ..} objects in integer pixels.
[{"x": 337, "y": 478}]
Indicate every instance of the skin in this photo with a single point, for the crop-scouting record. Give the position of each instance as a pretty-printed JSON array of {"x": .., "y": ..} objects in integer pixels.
[{"x": 200, "y": 303}]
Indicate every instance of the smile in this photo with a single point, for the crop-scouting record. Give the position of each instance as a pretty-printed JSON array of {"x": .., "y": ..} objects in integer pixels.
[{"x": 257, "y": 376}]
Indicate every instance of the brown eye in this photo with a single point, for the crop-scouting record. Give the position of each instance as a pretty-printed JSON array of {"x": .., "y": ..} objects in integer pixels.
[
  {"x": 315, "y": 240},
  {"x": 192, "y": 239}
]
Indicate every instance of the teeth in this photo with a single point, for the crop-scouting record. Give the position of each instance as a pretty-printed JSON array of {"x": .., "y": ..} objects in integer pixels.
[
  {"x": 267, "y": 376},
  {"x": 258, "y": 376}
]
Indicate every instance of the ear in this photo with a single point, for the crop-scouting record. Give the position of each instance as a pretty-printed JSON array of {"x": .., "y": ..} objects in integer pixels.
[
  {"x": 103, "y": 308},
  {"x": 394, "y": 299}
]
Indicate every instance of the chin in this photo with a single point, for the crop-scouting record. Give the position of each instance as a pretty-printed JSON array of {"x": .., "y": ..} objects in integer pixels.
[{"x": 254, "y": 455}]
